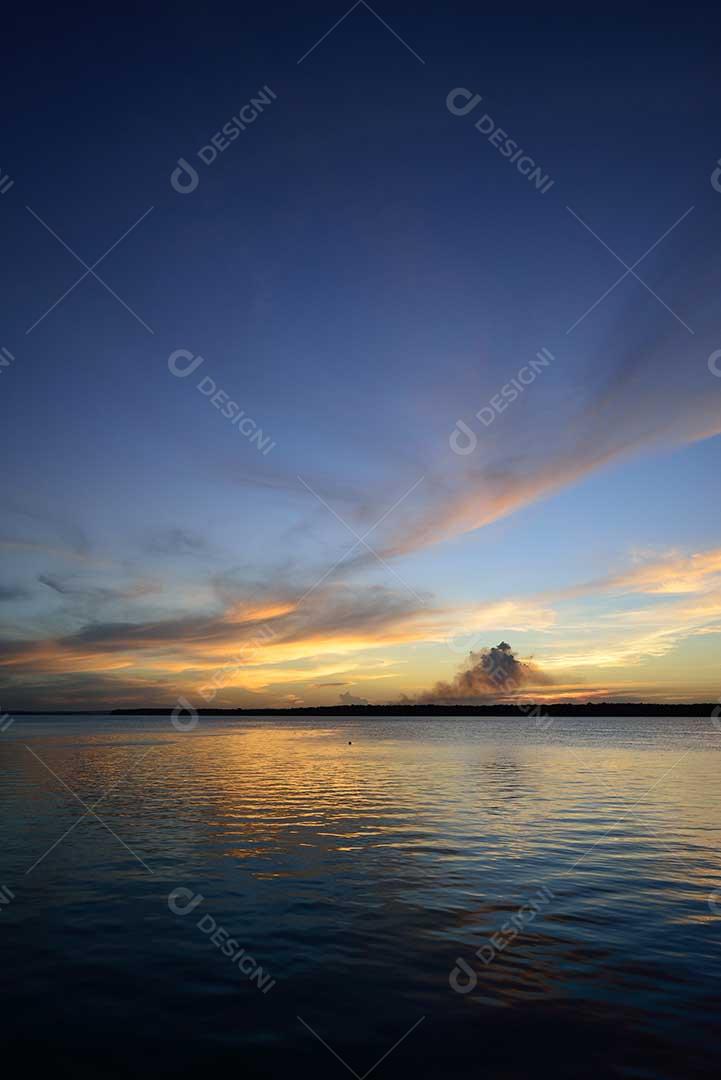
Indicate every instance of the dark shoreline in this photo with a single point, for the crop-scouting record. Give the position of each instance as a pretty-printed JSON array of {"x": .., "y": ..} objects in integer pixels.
[{"x": 531, "y": 711}]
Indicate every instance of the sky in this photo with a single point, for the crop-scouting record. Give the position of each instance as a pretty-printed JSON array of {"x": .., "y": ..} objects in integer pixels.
[{"x": 341, "y": 347}]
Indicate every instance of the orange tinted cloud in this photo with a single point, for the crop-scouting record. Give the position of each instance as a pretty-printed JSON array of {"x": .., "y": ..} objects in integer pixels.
[
  {"x": 670, "y": 574},
  {"x": 250, "y": 643},
  {"x": 650, "y": 402}
]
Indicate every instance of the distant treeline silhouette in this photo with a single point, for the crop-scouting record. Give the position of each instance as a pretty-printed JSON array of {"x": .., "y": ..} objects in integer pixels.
[
  {"x": 563, "y": 708},
  {"x": 528, "y": 710}
]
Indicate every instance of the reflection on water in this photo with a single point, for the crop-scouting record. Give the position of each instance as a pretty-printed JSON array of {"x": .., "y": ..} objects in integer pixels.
[{"x": 362, "y": 863}]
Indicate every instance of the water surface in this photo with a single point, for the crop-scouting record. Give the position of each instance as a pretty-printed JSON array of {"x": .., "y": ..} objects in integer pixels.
[{"x": 359, "y": 864}]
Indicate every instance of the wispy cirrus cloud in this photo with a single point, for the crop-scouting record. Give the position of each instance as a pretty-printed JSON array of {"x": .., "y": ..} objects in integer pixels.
[
  {"x": 176, "y": 541},
  {"x": 658, "y": 397},
  {"x": 658, "y": 575},
  {"x": 648, "y": 405},
  {"x": 680, "y": 598},
  {"x": 603, "y": 434},
  {"x": 82, "y": 589}
]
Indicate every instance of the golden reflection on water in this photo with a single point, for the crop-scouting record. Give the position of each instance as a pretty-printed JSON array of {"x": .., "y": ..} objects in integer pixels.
[
  {"x": 360, "y": 855},
  {"x": 281, "y": 798}
]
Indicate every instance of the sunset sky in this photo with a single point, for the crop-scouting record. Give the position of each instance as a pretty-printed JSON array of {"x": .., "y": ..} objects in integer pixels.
[{"x": 360, "y": 269}]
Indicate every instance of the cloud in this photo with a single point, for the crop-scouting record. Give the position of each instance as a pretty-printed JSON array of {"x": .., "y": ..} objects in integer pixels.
[
  {"x": 331, "y": 489},
  {"x": 12, "y": 592},
  {"x": 491, "y": 675},
  {"x": 350, "y": 699},
  {"x": 32, "y": 547},
  {"x": 292, "y": 701},
  {"x": 628, "y": 637},
  {"x": 679, "y": 598},
  {"x": 673, "y": 573},
  {"x": 259, "y": 642},
  {"x": 176, "y": 541},
  {"x": 82, "y": 589},
  {"x": 309, "y": 637},
  {"x": 51, "y": 519},
  {"x": 654, "y": 399}
]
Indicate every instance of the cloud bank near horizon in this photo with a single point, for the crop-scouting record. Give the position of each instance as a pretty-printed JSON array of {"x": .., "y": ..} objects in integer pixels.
[{"x": 259, "y": 646}]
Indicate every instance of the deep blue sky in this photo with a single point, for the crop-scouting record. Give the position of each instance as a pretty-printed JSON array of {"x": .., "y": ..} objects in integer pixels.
[{"x": 360, "y": 269}]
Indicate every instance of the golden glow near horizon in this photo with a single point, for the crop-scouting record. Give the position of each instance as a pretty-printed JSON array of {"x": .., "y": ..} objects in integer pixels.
[
  {"x": 380, "y": 431},
  {"x": 379, "y": 644}
]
